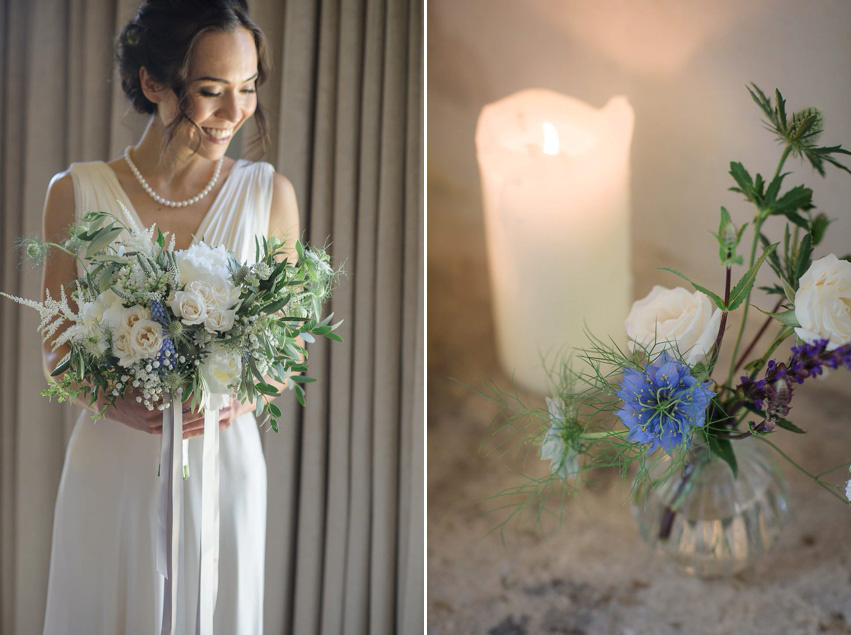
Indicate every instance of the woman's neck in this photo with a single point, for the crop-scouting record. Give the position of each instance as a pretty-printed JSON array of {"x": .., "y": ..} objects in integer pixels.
[{"x": 176, "y": 170}]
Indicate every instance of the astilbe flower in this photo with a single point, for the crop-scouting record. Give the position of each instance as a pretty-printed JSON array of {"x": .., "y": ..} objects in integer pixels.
[
  {"x": 772, "y": 394},
  {"x": 663, "y": 404}
]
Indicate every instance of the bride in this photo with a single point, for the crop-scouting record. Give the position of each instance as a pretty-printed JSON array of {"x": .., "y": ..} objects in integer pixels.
[{"x": 193, "y": 66}]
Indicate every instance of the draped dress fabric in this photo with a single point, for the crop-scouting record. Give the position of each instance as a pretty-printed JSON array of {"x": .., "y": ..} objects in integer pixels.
[{"x": 103, "y": 567}]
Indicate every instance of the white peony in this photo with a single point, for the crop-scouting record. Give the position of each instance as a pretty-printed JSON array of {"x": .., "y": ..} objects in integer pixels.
[
  {"x": 189, "y": 306},
  {"x": 202, "y": 262},
  {"x": 221, "y": 368},
  {"x": 674, "y": 318},
  {"x": 146, "y": 338},
  {"x": 823, "y": 302}
]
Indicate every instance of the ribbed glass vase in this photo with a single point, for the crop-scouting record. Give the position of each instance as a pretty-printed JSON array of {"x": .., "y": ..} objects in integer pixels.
[{"x": 710, "y": 523}]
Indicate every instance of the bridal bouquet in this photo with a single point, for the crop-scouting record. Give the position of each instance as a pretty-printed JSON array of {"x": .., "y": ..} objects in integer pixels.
[
  {"x": 616, "y": 407},
  {"x": 194, "y": 321}
]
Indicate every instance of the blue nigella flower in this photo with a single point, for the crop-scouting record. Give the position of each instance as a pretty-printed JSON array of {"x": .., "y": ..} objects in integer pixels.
[{"x": 663, "y": 403}]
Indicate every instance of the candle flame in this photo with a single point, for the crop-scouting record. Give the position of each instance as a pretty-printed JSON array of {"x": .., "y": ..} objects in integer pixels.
[{"x": 551, "y": 144}]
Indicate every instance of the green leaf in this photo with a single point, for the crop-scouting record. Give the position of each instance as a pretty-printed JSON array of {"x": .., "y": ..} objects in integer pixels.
[
  {"x": 722, "y": 448},
  {"x": 804, "y": 260},
  {"x": 301, "y": 379},
  {"x": 786, "y": 318},
  {"x": 266, "y": 389},
  {"x": 101, "y": 239},
  {"x": 62, "y": 366},
  {"x": 299, "y": 393},
  {"x": 788, "y": 291},
  {"x": 818, "y": 227},
  {"x": 160, "y": 239},
  {"x": 334, "y": 336},
  {"x": 743, "y": 287},
  {"x": 791, "y": 427},
  {"x": 745, "y": 182},
  {"x": 715, "y": 298}
]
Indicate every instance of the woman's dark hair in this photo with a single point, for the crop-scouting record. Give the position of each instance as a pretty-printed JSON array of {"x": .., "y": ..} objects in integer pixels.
[{"x": 161, "y": 38}]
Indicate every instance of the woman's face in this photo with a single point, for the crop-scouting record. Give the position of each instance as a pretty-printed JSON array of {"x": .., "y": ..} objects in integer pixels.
[{"x": 221, "y": 93}]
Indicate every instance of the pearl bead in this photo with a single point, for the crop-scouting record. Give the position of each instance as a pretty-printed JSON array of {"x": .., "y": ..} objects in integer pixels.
[{"x": 159, "y": 199}]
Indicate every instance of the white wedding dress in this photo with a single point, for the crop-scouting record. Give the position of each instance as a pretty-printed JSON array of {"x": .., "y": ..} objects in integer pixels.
[{"x": 103, "y": 565}]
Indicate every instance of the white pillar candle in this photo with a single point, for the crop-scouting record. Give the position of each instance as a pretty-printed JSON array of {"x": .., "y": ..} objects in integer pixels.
[{"x": 555, "y": 179}]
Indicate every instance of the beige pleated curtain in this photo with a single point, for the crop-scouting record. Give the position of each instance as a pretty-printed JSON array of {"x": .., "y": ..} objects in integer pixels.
[{"x": 345, "y": 525}]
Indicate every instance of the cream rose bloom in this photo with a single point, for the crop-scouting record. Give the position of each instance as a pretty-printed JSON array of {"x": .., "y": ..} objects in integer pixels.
[
  {"x": 146, "y": 338},
  {"x": 674, "y": 318},
  {"x": 219, "y": 320},
  {"x": 123, "y": 349},
  {"x": 189, "y": 306},
  {"x": 823, "y": 302}
]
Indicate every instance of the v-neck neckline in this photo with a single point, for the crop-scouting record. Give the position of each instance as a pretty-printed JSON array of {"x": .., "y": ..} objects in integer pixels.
[{"x": 199, "y": 231}]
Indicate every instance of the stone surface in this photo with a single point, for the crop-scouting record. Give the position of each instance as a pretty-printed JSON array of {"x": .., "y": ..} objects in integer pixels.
[{"x": 590, "y": 573}]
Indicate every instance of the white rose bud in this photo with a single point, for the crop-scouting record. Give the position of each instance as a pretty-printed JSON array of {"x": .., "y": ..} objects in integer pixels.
[
  {"x": 823, "y": 302},
  {"x": 189, "y": 306},
  {"x": 146, "y": 337},
  {"x": 674, "y": 318}
]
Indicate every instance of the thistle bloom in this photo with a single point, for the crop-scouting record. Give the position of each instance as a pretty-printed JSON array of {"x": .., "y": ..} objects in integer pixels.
[{"x": 662, "y": 404}]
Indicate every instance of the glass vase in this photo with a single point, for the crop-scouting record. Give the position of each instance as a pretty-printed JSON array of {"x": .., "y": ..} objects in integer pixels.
[{"x": 709, "y": 522}]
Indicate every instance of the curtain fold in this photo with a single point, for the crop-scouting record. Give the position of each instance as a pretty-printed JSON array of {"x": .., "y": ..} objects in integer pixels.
[{"x": 345, "y": 105}]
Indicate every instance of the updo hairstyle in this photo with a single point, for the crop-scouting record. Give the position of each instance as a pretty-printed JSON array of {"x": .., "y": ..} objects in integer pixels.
[{"x": 161, "y": 38}]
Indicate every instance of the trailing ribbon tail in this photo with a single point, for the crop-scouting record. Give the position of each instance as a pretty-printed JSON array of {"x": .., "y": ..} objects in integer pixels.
[
  {"x": 208, "y": 581},
  {"x": 169, "y": 510}
]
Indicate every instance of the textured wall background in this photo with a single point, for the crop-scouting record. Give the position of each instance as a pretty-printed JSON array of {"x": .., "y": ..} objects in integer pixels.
[{"x": 683, "y": 65}]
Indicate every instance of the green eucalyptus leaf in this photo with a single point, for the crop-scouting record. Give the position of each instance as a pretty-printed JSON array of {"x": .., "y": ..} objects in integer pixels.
[{"x": 101, "y": 239}]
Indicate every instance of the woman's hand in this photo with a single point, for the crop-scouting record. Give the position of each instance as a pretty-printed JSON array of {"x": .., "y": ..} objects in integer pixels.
[{"x": 135, "y": 415}]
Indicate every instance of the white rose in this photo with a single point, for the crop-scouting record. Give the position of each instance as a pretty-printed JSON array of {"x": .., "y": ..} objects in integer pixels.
[
  {"x": 674, "y": 318},
  {"x": 122, "y": 348},
  {"x": 219, "y": 320},
  {"x": 204, "y": 289},
  {"x": 823, "y": 302},
  {"x": 146, "y": 338},
  {"x": 221, "y": 368},
  {"x": 117, "y": 317},
  {"x": 225, "y": 295},
  {"x": 189, "y": 306}
]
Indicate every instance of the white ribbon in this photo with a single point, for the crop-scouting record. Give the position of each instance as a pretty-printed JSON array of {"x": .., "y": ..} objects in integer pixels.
[
  {"x": 171, "y": 490},
  {"x": 208, "y": 581},
  {"x": 169, "y": 517}
]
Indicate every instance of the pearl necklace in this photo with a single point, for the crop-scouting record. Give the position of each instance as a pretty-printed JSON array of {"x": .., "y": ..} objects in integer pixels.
[{"x": 159, "y": 199}]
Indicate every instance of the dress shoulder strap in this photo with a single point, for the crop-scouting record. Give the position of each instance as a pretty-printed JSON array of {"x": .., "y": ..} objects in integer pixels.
[{"x": 242, "y": 208}]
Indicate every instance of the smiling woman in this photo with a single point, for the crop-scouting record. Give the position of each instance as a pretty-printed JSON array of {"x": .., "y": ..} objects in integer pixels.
[
  {"x": 192, "y": 67},
  {"x": 339, "y": 527}
]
